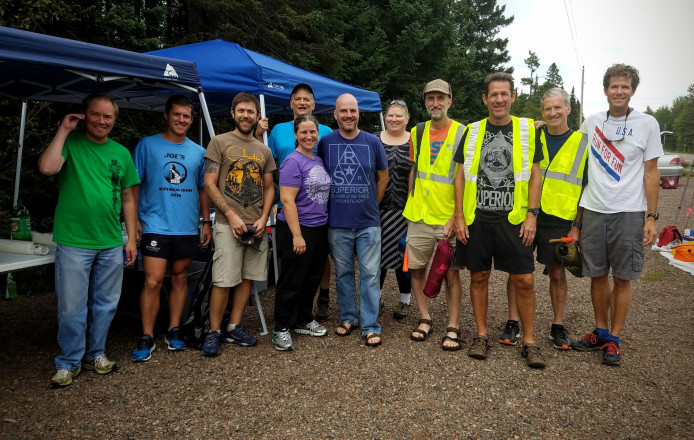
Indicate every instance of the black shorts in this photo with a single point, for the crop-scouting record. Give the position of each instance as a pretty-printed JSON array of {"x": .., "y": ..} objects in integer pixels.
[
  {"x": 169, "y": 247},
  {"x": 499, "y": 242},
  {"x": 545, "y": 250}
]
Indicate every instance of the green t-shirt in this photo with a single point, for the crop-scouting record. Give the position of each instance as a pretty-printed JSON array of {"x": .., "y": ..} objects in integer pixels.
[{"x": 89, "y": 203}]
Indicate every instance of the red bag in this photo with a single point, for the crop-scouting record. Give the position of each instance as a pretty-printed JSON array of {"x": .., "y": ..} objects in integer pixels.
[
  {"x": 439, "y": 266},
  {"x": 669, "y": 234}
]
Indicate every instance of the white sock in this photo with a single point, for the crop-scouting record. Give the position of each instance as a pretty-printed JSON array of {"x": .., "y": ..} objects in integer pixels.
[
  {"x": 405, "y": 297},
  {"x": 230, "y": 327}
]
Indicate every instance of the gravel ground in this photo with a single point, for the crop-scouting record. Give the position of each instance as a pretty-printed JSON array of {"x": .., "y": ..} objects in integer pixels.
[{"x": 337, "y": 388}]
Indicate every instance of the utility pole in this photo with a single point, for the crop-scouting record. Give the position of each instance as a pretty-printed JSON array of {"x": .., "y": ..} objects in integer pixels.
[{"x": 580, "y": 114}]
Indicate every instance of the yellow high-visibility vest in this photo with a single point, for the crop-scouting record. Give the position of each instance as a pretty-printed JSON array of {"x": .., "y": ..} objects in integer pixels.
[
  {"x": 523, "y": 154},
  {"x": 433, "y": 198},
  {"x": 562, "y": 178}
]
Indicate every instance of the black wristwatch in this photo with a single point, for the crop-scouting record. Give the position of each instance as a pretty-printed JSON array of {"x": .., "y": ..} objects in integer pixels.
[
  {"x": 579, "y": 225},
  {"x": 655, "y": 215},
  {"x": 535, "y": 211},
  {"x": 207, "y": 222}
]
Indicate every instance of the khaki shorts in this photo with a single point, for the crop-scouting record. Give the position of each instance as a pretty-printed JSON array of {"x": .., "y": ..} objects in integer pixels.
[
  {"x": 421, "y": 243},
  {"x": 234, "y": 262}
]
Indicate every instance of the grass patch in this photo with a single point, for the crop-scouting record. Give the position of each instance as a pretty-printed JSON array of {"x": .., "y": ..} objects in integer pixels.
[{"x": 654, "y": 276}]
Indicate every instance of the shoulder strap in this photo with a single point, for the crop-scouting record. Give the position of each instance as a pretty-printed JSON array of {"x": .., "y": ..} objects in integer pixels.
[{"x": 418, "y": 145}]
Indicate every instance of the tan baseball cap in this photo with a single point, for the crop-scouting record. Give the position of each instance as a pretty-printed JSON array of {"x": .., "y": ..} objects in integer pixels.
[{"x": 438, "y": 85}]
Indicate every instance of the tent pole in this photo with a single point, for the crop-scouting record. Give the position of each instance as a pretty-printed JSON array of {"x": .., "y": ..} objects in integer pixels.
[
  {"x": 262, "y": 115},
  {"x": 383, "y": 124},
  {"x": 19, "y": 153},
  {"x": 206, "y": 113}
]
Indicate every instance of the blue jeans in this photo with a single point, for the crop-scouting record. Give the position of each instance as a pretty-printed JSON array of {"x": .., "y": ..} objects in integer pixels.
[
  {"x": 367, "y": 242},
  {"x": 88, "y": 286}
]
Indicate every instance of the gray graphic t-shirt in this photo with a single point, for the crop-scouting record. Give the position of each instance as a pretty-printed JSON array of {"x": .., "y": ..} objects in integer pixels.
[{"x": 495, "y": 178}]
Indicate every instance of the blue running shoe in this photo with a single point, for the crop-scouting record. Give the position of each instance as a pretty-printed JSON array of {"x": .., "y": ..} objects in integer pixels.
[
  {"x": 589, "y": 342},
  {"x": 611, "y": 354},
  {"x": 173, "y": 341},
  {"x": 211, "y": 346},
  {"x": 145, "y": 347},
  {"x": 239, "y": 337}
]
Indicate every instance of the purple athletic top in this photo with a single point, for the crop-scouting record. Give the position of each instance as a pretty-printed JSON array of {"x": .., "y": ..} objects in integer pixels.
[{"x": 309, "y": 175}]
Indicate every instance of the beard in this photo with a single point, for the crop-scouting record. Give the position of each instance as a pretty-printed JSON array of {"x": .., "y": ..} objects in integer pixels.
[{"x": 242, "y": 130}]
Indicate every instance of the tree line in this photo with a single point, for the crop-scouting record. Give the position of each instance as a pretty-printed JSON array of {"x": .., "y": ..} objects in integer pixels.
[
  {"x": 679, "y": 119},
  {"x": 390, "y": 46}
]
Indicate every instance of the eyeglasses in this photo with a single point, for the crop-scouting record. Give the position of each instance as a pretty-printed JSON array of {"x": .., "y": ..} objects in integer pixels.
[
  {"x": 623, "y": 130},
  {"x": 398, "y": 102}
]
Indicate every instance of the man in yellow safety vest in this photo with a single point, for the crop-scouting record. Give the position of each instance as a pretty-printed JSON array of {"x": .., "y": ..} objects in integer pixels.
[
  {"x": 429, "y": 208},
  {"x": 497, "y": 192}
]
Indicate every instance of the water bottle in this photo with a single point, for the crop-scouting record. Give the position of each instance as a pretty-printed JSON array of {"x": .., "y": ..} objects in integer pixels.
[
  {"x": 21, "y": 223},
  {"x": 11, "y": 290}
]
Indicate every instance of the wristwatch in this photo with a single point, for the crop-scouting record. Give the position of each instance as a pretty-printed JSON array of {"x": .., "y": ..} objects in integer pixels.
[
  {"x": 535, "y": 211},
  {"x": 207, "y": 222},
  {"x": 579, "y": 225},
  {"x": 655, "y": 215}
]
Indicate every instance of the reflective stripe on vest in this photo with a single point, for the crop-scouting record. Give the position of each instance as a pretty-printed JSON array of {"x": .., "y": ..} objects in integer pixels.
[
  {"x": 523, "y": 149},
  {"x": 433, "y": 198},
  {"x": 572, "y": 176}
]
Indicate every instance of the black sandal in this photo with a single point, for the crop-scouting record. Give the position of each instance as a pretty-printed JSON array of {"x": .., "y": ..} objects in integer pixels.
[
  {"x": 425, "y": 333},
  {"x": 348, "y": 330},
  {"x": 457, "y": 339},
  {"x": 372, "y": 344}
]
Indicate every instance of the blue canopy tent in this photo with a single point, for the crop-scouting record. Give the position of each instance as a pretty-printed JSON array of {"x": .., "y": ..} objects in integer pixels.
[
  {"x": 44, "y": 68},
  {"x": 226, "y": 68}
]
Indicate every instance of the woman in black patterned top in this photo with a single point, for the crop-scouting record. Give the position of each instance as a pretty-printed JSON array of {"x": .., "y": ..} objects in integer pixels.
[{"x": 396, "y": 140}]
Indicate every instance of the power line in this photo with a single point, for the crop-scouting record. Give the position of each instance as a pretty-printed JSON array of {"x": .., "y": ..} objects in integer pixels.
[{"x": 572, "y": 29}]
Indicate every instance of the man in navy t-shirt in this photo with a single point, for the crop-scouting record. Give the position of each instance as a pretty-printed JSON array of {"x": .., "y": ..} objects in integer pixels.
[{"x": 358, "y": 167}]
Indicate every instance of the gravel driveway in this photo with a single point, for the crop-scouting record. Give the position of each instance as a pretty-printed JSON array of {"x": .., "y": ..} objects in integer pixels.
[{"x": 337, "y": 388}]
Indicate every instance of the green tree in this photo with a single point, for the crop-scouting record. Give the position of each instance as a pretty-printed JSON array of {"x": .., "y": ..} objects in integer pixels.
[
  {"x": 553, "y": 78},
  {"x": 574, "y": 116},
  {"x": 684, "y": 122},
  {"x": 533, "y": 63}
]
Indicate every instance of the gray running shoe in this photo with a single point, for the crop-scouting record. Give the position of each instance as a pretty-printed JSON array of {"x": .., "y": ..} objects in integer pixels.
[
  {"x": 64, "y": 378},
  {"x": 100, "y": 364},
  {"x": 283, "y": 340},
  {"x": 311, "y": 329}
]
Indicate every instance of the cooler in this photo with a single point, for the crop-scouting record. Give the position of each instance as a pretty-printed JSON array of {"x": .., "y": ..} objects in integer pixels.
[{"x": 670, "y": 182}]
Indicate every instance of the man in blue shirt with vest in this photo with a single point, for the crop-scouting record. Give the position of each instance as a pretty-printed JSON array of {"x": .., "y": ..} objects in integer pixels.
[
  {"x": 358, "y": 167},
  {"x": 497, "y": 194}
]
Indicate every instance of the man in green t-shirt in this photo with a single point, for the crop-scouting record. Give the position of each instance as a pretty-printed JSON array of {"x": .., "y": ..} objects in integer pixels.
[{"x": 96, "y": 176}]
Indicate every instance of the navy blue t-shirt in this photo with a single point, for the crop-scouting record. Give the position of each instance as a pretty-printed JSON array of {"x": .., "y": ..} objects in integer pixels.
[{"x": 352, "y": 165}]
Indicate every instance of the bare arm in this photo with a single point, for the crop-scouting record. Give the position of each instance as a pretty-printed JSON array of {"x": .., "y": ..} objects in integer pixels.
[
  {"x": 288, "y": 198},
  {"x": 128, "y": 199},
  {"x": 527, "y": 230},
  {"x": 461, "y": 230},
  {"x": 211, "y": 175},
  {"x": 651, "y": 182},
  {"x": 51, "y": 160},
  {"x": 381, "y": 184},
  {"x": 138, "y": 226},
  {"x": 205, "y": 214}
]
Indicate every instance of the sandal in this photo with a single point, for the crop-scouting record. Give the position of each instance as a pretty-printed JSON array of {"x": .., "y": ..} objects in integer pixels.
[
  {"x": 370, "y": 336},
  {"x": 347, "y": 327},
  {"x": 425, "y": 333},
  {"x": 457, "y": 340}
]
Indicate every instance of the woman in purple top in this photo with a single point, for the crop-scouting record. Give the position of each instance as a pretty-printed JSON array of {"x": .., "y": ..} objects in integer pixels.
[{"x": 302, "y": 236}]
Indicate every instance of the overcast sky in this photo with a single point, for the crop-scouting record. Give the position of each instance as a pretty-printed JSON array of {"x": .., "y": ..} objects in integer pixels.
[{"x": 656, "y": 37}]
